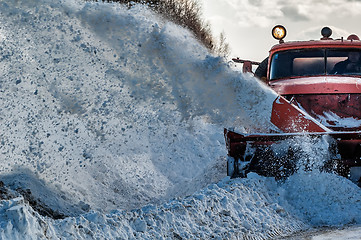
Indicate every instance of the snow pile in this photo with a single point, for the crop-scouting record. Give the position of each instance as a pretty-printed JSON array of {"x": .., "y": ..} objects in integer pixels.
[
  {"x": 230, "y": 209},
  {"x": 112, "y": 109},
  {"x": 21, "y": 219},
  {"x": 101, "y": 101},
  {"x": 254, "y": 208},
  {"x": 323, "y": 199}
]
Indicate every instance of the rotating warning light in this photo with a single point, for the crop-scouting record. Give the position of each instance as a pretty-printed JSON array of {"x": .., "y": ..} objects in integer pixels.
[
  {"x": 353, "y": 37},
  {"x": 279, "y": 32},
  {"x": 326, "y": 33}
]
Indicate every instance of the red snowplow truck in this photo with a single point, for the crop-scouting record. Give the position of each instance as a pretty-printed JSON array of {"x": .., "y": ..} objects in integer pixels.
[{"x": 318, "y": 86}]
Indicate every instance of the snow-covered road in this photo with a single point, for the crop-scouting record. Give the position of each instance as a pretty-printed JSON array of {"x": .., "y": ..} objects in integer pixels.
[{"x": 345, "y": 233}]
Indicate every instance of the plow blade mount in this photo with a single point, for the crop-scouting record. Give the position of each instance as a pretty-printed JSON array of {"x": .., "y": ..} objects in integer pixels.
[{"x": 259, "y": 153}]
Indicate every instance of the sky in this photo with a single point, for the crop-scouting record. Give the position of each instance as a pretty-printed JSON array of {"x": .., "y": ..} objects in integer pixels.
[{"x": 247, "y": 24}]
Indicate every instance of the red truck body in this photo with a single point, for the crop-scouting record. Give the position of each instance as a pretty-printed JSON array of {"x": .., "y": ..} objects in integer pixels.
[{"x": 316, "y": 98}]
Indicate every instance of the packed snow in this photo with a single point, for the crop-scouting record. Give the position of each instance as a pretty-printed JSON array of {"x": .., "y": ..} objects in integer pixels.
[
  {"x": 331, "y": 117},
  {"x": 114, "y": 117}
]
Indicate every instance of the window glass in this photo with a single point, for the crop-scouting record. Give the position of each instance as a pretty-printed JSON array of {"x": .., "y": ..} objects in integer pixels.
[
  {"x": 344, "y": 62},
  {"x": 313, "y": 62},
  {"x": 297, "y": 63}
]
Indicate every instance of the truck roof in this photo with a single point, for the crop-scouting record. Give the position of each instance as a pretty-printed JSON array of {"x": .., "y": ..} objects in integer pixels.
[{"x": 338, "y": 43}]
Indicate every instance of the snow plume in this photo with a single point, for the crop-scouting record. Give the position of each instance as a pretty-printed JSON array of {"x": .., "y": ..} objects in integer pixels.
[
  {"x": 84, "y": 109},
  {"x": 312, "y": 153},
  {"x": 106, "y": 108},
  {"x": 102, "y": 101}
]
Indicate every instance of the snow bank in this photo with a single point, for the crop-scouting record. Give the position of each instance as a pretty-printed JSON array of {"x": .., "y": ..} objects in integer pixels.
[
  {"x": 323, "y": 199},
  {"x": 237, "y": 209},
  {"x": 253, "y": 208},
  {"x": 113, "y": 109}
]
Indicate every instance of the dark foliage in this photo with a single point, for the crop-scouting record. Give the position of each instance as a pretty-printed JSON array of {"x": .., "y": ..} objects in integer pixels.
[
  {"x": 6, "y": 194},
  {"x": 186, "y": 13}
]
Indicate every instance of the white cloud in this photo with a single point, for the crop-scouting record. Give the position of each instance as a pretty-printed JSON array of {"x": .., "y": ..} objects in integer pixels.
[
  {"x": 248, "y": 23},
  {"x": 251, "y": 14},
  {"x": 328, "y": 9},
  {"x": 315, "y": 33},
  {"x": 264, "y": 13},
  {"x": 294, "y": 13}
]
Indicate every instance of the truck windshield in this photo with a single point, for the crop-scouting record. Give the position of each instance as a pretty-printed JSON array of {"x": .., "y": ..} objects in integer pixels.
[{"x": 313, "y": 62}]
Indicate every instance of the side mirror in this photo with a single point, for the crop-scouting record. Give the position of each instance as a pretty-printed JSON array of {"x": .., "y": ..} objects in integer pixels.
[{"x": 247, "y": 64}]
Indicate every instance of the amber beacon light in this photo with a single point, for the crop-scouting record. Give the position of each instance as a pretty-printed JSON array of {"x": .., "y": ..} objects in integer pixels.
[{"x": 279, "y": 33}]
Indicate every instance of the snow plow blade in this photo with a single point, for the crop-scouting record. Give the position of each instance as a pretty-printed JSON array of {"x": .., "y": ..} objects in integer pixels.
[{"x": 255, "y": 153}]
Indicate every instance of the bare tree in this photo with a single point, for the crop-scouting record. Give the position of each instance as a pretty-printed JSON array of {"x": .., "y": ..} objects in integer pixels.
[{"x": 222, "y": 48}]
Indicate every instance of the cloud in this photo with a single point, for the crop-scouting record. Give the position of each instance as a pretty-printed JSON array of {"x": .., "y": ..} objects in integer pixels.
[
  {"x": 294, "y": 14},
  {"x": 247, "y": 23},
  {"x": 255, "y": 2},
  {"x": 255, "y": 13},
  {"x": 265, "y": 13},
  {"x": 315, "y": 33}
]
